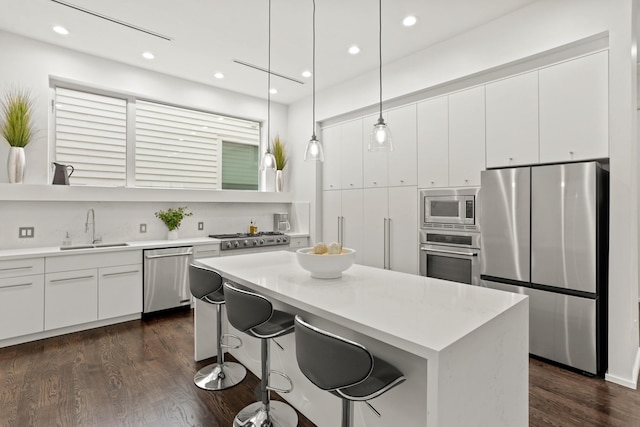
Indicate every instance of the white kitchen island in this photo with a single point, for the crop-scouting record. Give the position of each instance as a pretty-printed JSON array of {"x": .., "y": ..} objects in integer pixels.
[{"x": 463, "y": 349}]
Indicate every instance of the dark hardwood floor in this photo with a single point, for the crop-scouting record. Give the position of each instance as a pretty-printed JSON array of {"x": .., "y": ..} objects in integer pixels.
[{"x": 140, "y": 373}]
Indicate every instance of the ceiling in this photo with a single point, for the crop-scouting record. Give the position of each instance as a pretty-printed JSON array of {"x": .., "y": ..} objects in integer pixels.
[{"x": 207, "y": 35}]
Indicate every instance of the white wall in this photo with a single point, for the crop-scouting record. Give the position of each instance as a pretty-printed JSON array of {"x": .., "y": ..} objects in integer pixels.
[
  {"x": 31, "y": 64},
  {"x": 537, "y": 28}
]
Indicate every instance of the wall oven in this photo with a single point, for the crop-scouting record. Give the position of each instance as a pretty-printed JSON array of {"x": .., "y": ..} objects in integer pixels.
[
  {"x": 450, "y": 255},
  {"x": 449, "y": 235}
]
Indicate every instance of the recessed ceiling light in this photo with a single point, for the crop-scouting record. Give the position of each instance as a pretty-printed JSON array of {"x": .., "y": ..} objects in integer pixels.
[
  {"x": 306, "y": 73},
  {"x": 218, "y": 75},
  {"x": 61, "y": 30},
  {"x": 354, "y": 50},
  {"x": 409, "y": 21},
  {"x": 148, "y": 55},
  {"x": 273, "y": 91}
]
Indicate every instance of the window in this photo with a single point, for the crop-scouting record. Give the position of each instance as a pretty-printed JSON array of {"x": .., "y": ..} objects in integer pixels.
[
  {"x": 239, "y": 166},
  {"x": 170, "y": 147},
  {"x": 91, "y": 133}
]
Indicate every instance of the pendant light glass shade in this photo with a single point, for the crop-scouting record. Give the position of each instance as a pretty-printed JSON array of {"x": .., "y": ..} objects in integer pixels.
[
  {"x": 381, "y": 134},
  {"x": 314, "y": 150},
  {"x": 268, "y": 162},
  {"x": 380, "y": 137}
]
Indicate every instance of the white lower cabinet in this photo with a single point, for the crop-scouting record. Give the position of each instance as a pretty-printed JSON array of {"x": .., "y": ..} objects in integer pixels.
[
  {"x": 108, "y": 285},
  {"x": 296, "y": 243},
  {"x": 71, "y": 298},
  {"x": 390, "y": 220},
  {"x": 118, "y": 294},
  {"x": 21, "y": 305}
]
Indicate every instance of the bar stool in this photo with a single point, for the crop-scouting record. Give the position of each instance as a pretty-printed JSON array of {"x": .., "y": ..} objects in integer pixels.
[
  {"x": 254, "y": 315},
  {"x": 344, "y": 368},
  {"x": 206, "y": 285}
]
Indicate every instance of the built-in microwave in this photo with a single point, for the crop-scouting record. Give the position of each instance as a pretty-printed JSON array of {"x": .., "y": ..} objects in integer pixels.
[{"x": 448, "y": 206}]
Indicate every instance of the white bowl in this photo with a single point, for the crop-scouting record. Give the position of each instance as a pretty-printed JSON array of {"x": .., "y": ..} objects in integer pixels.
[{"x": 326, "y": 266}]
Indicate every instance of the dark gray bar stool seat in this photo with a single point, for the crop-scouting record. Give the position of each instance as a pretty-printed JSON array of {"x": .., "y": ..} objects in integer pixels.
[
  {"x": 254, "y": 315},
  {"x": 206, "y": 285},
  {"x": 343, "y": 367}
]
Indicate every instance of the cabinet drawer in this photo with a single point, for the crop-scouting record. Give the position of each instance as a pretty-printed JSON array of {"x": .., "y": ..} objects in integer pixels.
[
  {"x": 206, "y": 251},
  {"x": 21, "y": 306},
  {"x": 93, "y": 260},
  {"x": 71, "y": 298},
  {"x": 119, "y": 291},
  {"x": 296, "y": 243},
  {"x": 21, "y": 267}
]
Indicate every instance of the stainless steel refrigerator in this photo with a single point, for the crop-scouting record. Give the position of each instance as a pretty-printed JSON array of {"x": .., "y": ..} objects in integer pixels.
[{"x": 544, "y": 233}]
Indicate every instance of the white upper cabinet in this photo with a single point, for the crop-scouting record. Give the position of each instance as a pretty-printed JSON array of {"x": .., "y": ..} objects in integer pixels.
[
  {"x": 375, "y": 163},
  {"x": 433, "y": 142},
  {"x": 331, "y": 179},
  {"x": 512, "y": 121},
  {"x": 403, "y": 160},
  {"x": 574, "y": 108},
  {"x": 466, "y": 137},
  {"x": 351, "y": 154}
]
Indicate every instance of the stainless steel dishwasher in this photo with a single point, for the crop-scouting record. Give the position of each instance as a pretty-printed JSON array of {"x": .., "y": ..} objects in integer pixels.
[{"x": 166, "y": 278}]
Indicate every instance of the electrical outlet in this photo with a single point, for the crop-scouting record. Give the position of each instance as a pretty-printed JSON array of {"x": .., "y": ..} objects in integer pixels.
[
  {"x": 201, "y": 225},
  {"x": 25, "y": 232},
  {"x": 143, "y": 228}
]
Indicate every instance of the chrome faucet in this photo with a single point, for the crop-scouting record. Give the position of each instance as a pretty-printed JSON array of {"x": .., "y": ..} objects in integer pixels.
[{"x": 94, "y": 239}]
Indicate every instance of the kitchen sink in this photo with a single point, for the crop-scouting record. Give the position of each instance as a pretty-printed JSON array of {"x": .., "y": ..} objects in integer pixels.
[{"x": 95, "y": 245}]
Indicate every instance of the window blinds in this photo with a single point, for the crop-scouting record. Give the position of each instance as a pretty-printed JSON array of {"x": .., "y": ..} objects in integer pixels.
[
  {"x": 173, "y": 147},
  {"x": 91, "y": 135},
  {"x": 180, "y": 148}
]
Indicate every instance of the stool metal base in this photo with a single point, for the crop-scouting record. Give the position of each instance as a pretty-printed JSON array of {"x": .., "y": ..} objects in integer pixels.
[
  {"x": 255, "y": 415},
  {"x": 218, "y": 377}
]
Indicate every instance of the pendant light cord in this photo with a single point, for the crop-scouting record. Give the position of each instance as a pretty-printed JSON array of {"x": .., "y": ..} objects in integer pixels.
[
  {"x": 269, "y": 86},
  {"x": 380, "y": 52},
  {"x": 313, "y": 132}
]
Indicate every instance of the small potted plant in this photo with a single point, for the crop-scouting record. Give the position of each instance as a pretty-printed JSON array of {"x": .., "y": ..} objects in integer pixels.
[
  {"x": 281, "y": 161},
  {"x": 16, "y": 127},
  {"x": 172, "y": 219}
]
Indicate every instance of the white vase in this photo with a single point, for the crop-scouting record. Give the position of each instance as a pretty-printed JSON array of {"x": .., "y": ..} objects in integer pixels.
[
  {"x": 279, "y": 181},
  {"x": 15, "y": 164},
  {"x": 172, "y": 235}
]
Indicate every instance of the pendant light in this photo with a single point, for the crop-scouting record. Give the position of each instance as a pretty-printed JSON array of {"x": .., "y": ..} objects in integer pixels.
[
  {"x": 268, "y": 159},
  {"x": 381, "y": 135},
  {"x": 314, "y": 151}
]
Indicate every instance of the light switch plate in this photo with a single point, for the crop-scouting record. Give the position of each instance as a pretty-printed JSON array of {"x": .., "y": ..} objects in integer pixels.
[
  {"x": 201, "y": 225},
  {"x": 143, "y": 228}
]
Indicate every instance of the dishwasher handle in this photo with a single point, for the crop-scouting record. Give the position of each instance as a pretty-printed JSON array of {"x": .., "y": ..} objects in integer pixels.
[{"x": 168, "y": 255}]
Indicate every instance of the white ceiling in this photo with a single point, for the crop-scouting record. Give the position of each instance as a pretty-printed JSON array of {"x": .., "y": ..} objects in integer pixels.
[{"x": 207, "y": 35}]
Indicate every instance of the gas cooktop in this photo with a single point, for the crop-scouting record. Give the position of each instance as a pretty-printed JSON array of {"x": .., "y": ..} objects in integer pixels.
[{"x": 246, "y": 240}]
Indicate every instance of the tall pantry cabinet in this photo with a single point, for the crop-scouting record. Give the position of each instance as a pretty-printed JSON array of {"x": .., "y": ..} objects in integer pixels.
[{"x": 373, "y": 207}]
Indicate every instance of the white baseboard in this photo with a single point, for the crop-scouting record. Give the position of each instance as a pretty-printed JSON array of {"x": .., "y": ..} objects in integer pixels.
[{"x": 626, "y": 382}]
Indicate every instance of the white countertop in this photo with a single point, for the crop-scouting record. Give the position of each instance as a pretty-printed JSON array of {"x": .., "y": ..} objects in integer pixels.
[
  {"x": 17, "y": 253},
  {"x": 146, "y": 244},
  {"x": 418, "y": 314}
]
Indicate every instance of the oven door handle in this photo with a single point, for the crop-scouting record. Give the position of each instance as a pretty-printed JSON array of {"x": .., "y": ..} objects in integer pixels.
[{"x": 442, "y": 251}]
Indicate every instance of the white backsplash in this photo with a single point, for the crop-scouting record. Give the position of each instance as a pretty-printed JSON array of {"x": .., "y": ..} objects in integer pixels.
[{"x": 120, "y": 221}]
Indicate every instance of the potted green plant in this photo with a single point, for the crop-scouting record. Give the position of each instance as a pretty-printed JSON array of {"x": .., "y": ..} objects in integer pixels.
[
  {"x": 172, "y": 218},
  {"x": 16, "y": 127},
  {"x": 280, "y": 155}
]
